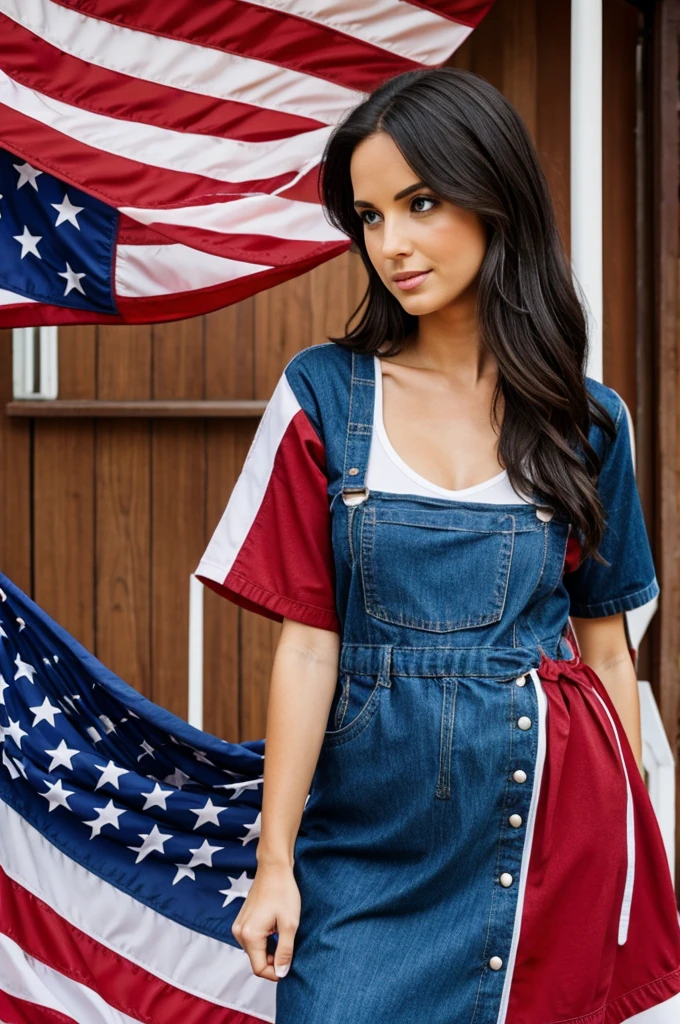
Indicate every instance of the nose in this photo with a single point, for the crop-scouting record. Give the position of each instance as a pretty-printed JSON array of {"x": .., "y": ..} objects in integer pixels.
[{"x": 395, "y": 241}]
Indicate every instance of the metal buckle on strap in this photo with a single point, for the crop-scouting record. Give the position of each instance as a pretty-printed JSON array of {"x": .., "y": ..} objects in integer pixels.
[{"x": 354, "y": 495}]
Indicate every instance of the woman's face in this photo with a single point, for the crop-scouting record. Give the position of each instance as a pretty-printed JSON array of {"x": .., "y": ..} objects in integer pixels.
[{"x": 417, "y": 231}]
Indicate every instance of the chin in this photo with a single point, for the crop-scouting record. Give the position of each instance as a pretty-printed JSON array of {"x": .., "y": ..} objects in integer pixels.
[{"x": 420, "y": 305}]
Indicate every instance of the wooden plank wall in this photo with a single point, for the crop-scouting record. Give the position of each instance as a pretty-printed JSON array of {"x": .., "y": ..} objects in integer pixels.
[{"x": 103, "y": 520}]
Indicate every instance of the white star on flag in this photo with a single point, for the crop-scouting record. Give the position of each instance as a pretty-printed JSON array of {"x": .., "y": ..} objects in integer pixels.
[
  {"x": 26, "y": 174},
  {"x": 153, "y": 843},
  {"x": 239, "y": 889},
  {"x": 22, "y": 624},
  {"x": 107, "y": 723},
  {"x": 239, "y": 787},
  {"x": 157, "y": 798},
  {"x": 177, "y": 779},
  {"x": 208, "y": 813},
  {"x": 2, "y": 632},
  {"x": 61, "y": 757},
  {"x": 200, "y": 756},
  {"x": 72, "y": 280},
  {"x": 15, "y": 731},
  {"x": 69, "y": 699},
  {"x": 67, "y": 212},
  {"x": 29, "y": 243},
  {"x": 9, "y": 765},
  {"x": 24, "y": 670},
  {"x": 3, "y": 686},
  {"x": 203, "y": 854},
  {"x": 147, "y": 749},
  {"x": 57, "y": 795},
  {"x": 45, "y": 712},
  {"x": 93, "y": 734},
  {"x": 253, "y": 830},
  {"x": 183, "y": 871},
  {"x": 111, "y": 773},
  {"x": 108, "y": 815}
]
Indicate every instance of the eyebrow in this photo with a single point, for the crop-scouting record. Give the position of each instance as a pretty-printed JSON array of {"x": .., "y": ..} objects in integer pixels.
[{"x": 400, "y": 195}]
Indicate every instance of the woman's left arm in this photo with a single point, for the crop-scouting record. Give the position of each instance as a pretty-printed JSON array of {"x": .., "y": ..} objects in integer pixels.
[{"x": 604, "y": 646}]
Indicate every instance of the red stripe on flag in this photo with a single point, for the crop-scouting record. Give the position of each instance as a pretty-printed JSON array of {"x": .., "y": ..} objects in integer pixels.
[
  {"x": 116, "y": 180},
  {"x": 259, "y": 33},
  {"x": 20, "y": 1011},
  {"x": 46, "y": 936},
  {"x": 39, "y": 65},
  {"x": 465, "y": 12}
]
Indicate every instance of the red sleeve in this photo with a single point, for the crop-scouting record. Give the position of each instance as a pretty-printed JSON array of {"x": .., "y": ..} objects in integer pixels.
[{"x": 271, "y": 551}]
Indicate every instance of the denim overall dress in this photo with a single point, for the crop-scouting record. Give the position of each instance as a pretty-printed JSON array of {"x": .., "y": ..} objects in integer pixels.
[{"x": 412, "y": 858}]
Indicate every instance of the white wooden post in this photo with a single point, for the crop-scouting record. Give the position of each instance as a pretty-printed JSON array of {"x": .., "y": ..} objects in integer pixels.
[
  {"x": 586, "y": 167},
  {"x": 195, "y": 715}
]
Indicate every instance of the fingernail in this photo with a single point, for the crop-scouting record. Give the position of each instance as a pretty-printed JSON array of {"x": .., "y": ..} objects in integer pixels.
[{"x": 281, "y": 970}]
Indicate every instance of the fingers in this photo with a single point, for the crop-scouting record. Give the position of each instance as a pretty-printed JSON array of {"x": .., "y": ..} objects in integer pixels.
[
  {"x": 284, "y": 948},
  {"x": 252, "y": 936}
]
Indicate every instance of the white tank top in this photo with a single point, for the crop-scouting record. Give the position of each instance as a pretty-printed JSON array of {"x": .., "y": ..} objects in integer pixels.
[{"x": 387, "y": 471}]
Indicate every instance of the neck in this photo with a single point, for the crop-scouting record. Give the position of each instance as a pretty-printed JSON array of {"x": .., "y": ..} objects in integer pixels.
[{"x": 449, "y": 341}]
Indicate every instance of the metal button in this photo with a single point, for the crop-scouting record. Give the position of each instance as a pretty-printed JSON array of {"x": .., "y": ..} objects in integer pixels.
[
  {"x": 544, "y": 514},
  {"x": 524, "y": 722},
  {"x": 515, "y": 819},
  {"x": 521, "y": 681},
  {"x": 495, "y": 963},
  {"x": 520, "y": 775},
  {"x": 353, "y": 471},
  {"x": 506, "y": 879}
]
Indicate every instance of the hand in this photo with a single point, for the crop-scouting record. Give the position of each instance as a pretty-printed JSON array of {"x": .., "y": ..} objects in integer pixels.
[{"x": 272, "y": 905}]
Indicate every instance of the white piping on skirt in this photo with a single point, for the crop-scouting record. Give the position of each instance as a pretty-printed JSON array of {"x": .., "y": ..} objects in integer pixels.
[
  {"x": 528, "y": 838},
  {"x": 624, "y": 916}
]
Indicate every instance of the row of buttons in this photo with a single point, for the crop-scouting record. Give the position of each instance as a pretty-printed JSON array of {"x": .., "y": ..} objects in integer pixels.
[{"x": 519, "y": 775}]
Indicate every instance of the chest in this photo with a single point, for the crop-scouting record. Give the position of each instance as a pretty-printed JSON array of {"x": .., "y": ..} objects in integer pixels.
[{"x": 444, "y": 435}]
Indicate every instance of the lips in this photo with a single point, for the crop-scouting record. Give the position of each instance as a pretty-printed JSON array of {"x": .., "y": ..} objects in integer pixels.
[{"x": 410, "y": 279}]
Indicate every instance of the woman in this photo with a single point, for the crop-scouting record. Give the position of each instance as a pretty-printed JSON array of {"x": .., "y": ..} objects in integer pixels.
[{"x": 426, "y": 502}]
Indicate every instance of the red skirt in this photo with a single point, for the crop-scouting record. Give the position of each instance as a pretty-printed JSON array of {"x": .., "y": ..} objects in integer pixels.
[{"x": 599, "y": 940}]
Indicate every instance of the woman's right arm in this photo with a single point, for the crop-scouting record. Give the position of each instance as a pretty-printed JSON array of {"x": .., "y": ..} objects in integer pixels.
[{"x": 303, "y": 681}]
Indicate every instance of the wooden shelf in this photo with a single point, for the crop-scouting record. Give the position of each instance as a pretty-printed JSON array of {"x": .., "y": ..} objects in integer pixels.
[{"x": 155, "y": 409}]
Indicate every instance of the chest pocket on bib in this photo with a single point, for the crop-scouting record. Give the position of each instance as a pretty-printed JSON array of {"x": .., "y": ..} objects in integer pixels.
[{"x": 438, "y": 569}]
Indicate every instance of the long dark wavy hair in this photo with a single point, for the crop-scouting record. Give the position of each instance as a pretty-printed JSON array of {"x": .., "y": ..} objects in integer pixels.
[{"x": 463, "y": 139}]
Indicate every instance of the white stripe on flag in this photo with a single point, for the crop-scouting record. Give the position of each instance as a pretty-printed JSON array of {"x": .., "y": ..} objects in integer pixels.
[
  {"x": 12, "y": 299},
  {"x": 144, "y": 270},
  {"x": 24, "y": 977},
  {"x": 408, "y": 31},
  {"x": 198, "y": 69},
  {"x": 263, "y": 214},
  {"x": 187, "y": 959},
  {"x": 220, "y": 159}
]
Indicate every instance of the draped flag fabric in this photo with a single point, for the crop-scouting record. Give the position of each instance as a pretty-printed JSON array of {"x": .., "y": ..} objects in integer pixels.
[
  {"x": 161, "y": 160},
  {"x": 127, "y": 845}
]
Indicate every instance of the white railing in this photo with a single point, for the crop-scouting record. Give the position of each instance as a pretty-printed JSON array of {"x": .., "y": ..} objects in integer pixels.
[{"x": 35, "y": 362}]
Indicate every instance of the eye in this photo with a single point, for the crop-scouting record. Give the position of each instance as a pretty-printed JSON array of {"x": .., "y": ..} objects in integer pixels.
[{"x": 427, "y": 199}]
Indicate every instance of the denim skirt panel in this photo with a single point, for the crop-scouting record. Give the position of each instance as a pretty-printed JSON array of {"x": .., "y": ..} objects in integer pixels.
[{"x": 406, "y": 859}]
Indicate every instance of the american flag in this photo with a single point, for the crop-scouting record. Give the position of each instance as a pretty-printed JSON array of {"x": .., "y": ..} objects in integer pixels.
[
  {"x": 161, "y": 159},
  {"x": 127, "y": 845}
]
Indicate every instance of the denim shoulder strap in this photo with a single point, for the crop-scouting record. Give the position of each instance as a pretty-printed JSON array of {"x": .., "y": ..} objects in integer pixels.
[{"x": 359, "y": 428}]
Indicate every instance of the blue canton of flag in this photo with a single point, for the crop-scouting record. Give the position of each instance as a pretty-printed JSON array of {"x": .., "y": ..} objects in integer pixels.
[
  {"x": 127, "y": 841},
  {"x": 57, "y": 244}
]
